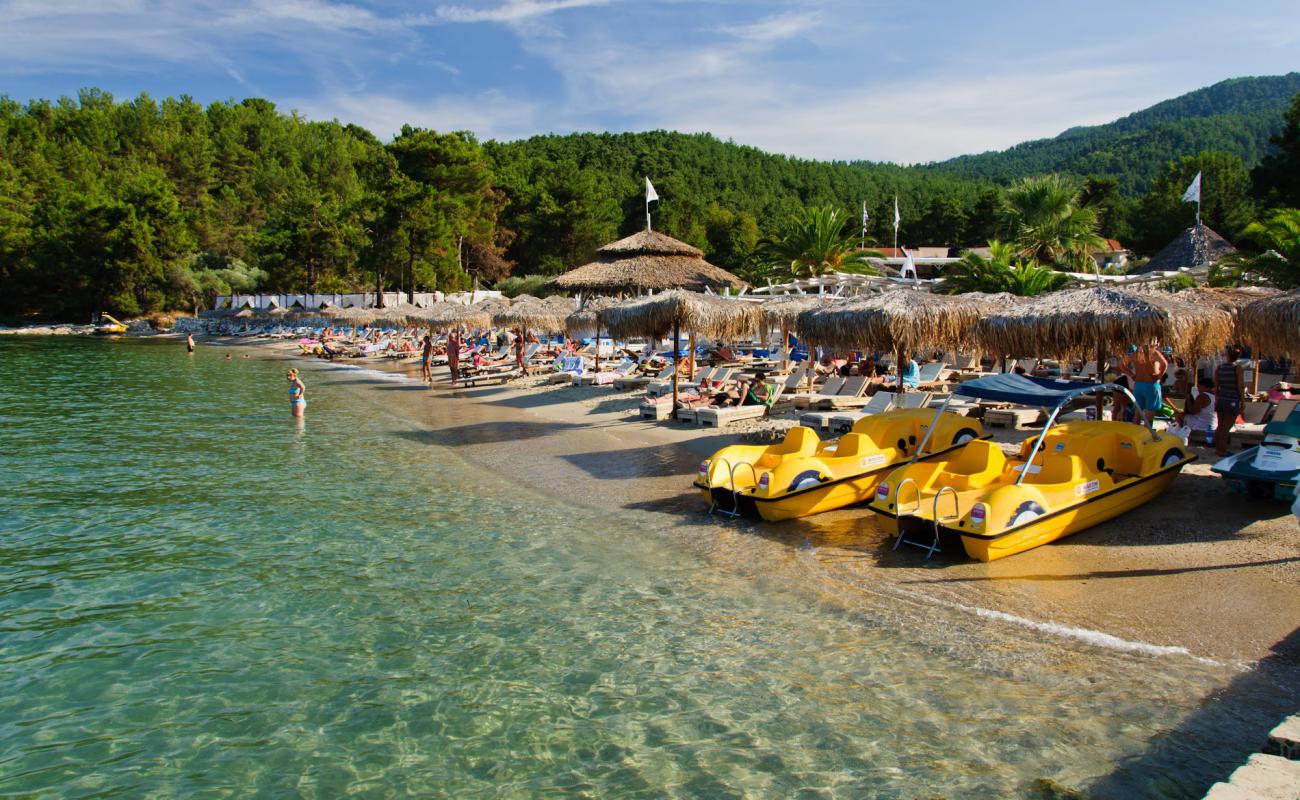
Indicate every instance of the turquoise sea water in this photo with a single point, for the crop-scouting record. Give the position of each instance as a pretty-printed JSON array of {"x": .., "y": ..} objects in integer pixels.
[{"x": 201, "y": 598}]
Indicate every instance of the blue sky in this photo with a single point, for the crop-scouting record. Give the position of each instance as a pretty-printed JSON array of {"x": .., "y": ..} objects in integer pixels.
[{"x": 899, "y": 81}]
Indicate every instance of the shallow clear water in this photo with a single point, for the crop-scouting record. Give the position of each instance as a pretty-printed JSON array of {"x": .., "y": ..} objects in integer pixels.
[{"x": 199, "y": 597}]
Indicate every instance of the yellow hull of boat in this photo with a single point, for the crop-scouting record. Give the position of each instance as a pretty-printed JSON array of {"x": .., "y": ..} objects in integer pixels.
[
  {"x": 1087, "y": 472},
  {"x": 1075, "y": 519},
  {"x": 803, "y": 476}
]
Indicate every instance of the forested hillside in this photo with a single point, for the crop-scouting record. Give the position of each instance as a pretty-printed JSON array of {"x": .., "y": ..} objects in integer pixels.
[
  {"x": 141, "y": 205},
  {"x": 1236, "y": 116}
]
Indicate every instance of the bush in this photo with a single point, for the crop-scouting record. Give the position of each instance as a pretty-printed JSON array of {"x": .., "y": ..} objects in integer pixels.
[{"x": 516, "y": 285}]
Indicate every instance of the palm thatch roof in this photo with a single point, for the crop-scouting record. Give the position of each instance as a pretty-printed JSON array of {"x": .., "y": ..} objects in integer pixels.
[
  {"x": 1076, "y": 322},
  {"x": 587, "y": 319},
  {"x": 707, "y": 315},
  {"x": 785, "y": 309},
  {"x": 900, "y": 320},
  {"x": 648, "y": 261},
  {"x": 1272, "y": 325},
  {"x": 1196, "y": 246},
  {"x": 445, "y": 316},
  {"x": 544, "y": 316}
]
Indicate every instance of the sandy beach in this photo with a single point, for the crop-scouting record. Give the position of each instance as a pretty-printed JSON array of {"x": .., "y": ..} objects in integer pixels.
[{"x": 1200, "y": 571}]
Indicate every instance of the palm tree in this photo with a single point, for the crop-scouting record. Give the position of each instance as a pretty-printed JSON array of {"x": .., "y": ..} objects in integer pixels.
[
  {"x": 1052, "y": 224},
  {"x": 815, "y": 242},
  {"x": 1280, "y": 233},
  {"x": 1001, "y": 272}
]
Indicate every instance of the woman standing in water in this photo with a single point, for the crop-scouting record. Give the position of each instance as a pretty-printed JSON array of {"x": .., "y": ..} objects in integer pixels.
[
  {"x": 189, "y": 342},
  {"x": 426, "y": 362},
  {"x": 297, "y": 394}
]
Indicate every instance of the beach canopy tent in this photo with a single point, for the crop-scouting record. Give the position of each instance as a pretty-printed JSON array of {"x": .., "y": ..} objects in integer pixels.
[
  {"x": 899, "y": 321},
  {"x": 1196, "y": 246},
  {"x": 1272, "y": 325},
  {"x": 647, "y": 261},
  {"x": 709, "y": 315}
]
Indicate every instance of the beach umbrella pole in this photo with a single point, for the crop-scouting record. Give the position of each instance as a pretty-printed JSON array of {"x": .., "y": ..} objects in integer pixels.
[
  {"x": 1101, "y": 376},
  {"x": 785, "y": 340},
  {"x": 690, "y": 363},
  {"x": 677, "y": 362},
  {"x": 598, "y": 344}
]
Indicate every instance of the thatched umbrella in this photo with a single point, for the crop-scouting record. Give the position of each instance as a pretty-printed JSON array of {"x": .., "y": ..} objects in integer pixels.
[
  {"x": 648, "y": 261},
  {"x": 1272, "y": 325},
  {"x": 445, "y": 316},
  {"x": 784, "y": 310},
  {"x": 898, "y": 321},
  {"x": 673, "y": 310},
  {"x": 588, "y": 319},
  {"x": 1073, "y": 322}
]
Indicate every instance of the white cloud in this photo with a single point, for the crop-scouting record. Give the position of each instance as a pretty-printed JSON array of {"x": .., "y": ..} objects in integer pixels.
[
  {"x": 511, "y": 11},
  {"x": 775, "y": 28},
  {"x": 490, "y": 115}
]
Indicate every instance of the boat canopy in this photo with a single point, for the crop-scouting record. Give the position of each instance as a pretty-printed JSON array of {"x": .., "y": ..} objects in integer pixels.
[{"x": 1027, "y": 391}]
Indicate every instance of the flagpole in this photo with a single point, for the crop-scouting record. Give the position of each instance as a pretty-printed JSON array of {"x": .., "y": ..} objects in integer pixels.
[{"x": 647, "y": 213}]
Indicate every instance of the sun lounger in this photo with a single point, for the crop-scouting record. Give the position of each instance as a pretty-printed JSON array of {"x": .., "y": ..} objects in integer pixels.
[
  {"x": 606, "y": 377},
  {"x": 1253, "y": 413},
  {"x": 913, "y": 400},
  {"x": 931, "y": 374},
  {"x": 665, "y": 386},
  {"x": 830, "y": 388},
  {"x": 722, "y": 417},
  {"x": 850, "y": 395},
  {"x": 841, "y": 423},
  {"x": 637, "y": 381},
  {"x": 491, "y": 376},
  {"x": 1284, "y": 409}
]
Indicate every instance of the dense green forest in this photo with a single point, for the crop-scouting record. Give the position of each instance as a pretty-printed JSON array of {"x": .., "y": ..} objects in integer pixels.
[
  {"x": 142, "y": 205},
  {"x": 1237, "y": 116}
]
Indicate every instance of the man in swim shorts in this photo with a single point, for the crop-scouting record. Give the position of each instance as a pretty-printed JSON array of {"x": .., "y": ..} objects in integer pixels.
[{"x": 1145, "y": 366}]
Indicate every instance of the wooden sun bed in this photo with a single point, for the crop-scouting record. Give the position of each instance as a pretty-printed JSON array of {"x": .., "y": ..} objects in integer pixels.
[{"x": 722, "y": 417}]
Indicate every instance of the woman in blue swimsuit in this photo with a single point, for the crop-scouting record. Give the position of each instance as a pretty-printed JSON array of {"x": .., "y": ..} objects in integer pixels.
[{"x": 297, "y": 392}]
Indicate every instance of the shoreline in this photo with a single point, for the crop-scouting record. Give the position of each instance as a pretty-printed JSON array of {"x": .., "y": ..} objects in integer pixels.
[{"x": 1186, "y": 575}]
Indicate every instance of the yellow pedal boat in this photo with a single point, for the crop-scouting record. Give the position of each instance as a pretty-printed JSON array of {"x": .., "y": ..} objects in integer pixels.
[
  {"x": 804, "y": 475},
  {"x": 1079, "y": 473},
  {"x": 109, "y": 327}
]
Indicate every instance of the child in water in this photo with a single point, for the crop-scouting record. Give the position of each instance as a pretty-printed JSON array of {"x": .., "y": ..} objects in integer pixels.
[{"x": 297, "y": 392}]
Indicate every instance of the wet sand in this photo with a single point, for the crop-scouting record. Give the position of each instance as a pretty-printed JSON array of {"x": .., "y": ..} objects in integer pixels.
[{"x": 1200, "y": 569}]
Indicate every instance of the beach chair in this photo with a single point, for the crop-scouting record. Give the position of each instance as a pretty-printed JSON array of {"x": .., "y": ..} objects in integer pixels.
[
  {"x": 637, "y": 381},
  {"x": 658, "y": 388},
  {"x": 1027, "y": 364},
  {"x": 841, "y": 423},
  {"x": 1253, "y": 413},
  {"x": 722, "y": 417},
  {"x": 913, "y": 400},
  {"x": 830, "y": 388},
  {"x": 606, "y": 377},
  {"x": 850, "y": 395},
  {"x": 931, "y": 374},
  {"x": 1283, "y": 410}
]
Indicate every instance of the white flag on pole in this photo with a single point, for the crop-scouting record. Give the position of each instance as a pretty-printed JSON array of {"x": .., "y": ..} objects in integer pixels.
[
  {"x": 650, "y": 193},
  {"x": 864, "y": 217},
  {"x": 1193, "y": 193},
  {"x": 897, "y": 219}
]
